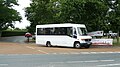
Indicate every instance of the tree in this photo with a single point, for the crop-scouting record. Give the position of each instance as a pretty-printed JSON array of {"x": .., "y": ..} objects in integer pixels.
[
  {"x": 89, "y": 12},
  {"x": 114, "y": 15},
  {"x": 38, "y": 13},
  {"x": 8, "y": 15}
]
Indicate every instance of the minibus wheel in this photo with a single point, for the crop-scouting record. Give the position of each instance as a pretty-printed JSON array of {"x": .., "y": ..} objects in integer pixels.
[
  {"x": 48, "y": 44},
  {"x": 77, "y": 45}
]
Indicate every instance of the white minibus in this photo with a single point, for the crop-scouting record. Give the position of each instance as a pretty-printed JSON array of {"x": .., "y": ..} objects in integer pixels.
[{"x": 69, "y": 35}]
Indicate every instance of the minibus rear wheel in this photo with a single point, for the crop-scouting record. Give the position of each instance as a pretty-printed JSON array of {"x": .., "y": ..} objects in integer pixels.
[
  {"x": 48, "y": 44},
  {"x": 77, "y": 45}
]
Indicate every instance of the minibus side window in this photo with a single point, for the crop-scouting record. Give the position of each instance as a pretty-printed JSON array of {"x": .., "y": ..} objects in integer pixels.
[{"x": 40, "y": 31}]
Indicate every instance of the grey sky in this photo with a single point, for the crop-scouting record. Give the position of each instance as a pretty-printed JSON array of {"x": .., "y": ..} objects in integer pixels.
[{"x": 20, "y": 8}]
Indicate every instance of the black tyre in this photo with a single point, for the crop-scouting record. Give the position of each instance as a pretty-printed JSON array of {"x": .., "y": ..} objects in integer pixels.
[
  {"x": 48, "y": 44},
  {"x": 77, "y": 45}
]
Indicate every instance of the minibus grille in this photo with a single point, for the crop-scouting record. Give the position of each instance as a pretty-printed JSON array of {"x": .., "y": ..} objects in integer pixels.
[{"x": 87, "y": 39}]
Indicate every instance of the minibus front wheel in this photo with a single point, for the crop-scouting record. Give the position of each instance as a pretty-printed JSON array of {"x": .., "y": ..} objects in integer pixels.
[{"x": 77, "y": 45}]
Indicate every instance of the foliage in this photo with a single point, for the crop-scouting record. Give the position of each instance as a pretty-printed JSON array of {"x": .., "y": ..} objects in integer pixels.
[
  {"x": 89, "y": 12},
  {"x": 114, "y": 15},
  {"x": 8, "y": 15},
  {"x": 115, "y": 43},
  {"x": 6, "y": 33},
  {"x": 94, "y": 14}
]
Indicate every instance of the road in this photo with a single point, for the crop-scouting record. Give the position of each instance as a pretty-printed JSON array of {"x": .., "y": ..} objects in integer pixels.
[
  {"x": 60, "y": 60},
  {"x": 15, "y": 39},
  {"x": 18, "y": 54}
]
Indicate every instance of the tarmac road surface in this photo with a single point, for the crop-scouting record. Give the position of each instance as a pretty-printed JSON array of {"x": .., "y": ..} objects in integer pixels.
[
  {"x": 14, "y": 39},
  {"x": 30, "y": 55},
  {"x": 60, "y": 60}
]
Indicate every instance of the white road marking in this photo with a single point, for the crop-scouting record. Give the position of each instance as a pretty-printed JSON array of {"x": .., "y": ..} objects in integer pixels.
[
  {"x": 57, "y": 62},
  {"x": 90, "y": 61},
  {"x": 107, "y": 60},
  {"x": 84, "y": 52},
  {"x": 30, "y": 47},
  {"x": 43, "y": 51},
  {"x": 93, "y": 52},
  {"x": 108, "y": 65},
  {"x": 102, "y": 52},
  {"x": 54, "y": 53},
  {"x": 118, "y": 52},
  {"x": 64, "y": 53},
  {"x": 88, "y": 53},
  {"x": 74, "y": 53},
  {"x": 37, "y": 50},
  {"x": 3, "y": 64}
]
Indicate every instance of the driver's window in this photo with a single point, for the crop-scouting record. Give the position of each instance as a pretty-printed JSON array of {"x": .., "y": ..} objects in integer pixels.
[
  {"x": 69, "y": 31},
  {"x": 74, "y": 33}
]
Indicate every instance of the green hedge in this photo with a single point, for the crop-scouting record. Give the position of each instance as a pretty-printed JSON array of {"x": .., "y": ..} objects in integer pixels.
[{"x": 7, "y": 33}]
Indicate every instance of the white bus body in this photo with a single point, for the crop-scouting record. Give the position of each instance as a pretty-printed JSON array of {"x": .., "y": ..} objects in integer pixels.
[{"x": 69, "y": 35}]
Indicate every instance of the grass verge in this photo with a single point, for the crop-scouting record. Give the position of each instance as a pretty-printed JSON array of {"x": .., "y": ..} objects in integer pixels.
[{"x": 115, "y": 43}]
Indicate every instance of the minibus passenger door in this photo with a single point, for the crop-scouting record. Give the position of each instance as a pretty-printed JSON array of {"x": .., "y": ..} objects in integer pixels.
[{"x": 71, "y": 32}]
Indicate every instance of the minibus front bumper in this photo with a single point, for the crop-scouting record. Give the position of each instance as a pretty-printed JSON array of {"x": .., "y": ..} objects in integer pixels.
[{"x": 86, "y": 44}]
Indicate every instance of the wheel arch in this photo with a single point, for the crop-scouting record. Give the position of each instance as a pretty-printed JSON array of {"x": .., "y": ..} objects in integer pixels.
[
  {"x": 48, "y": 42},
  {"x": 75, "y": 43}
]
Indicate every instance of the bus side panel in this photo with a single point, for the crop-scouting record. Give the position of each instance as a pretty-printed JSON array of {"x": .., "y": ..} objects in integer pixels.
[
  {"x": 56, "y": 40},
  {"x": 64, "y": 41},
  {"x": 69, "y": 41},
  {"x": 40, "y": 40}
]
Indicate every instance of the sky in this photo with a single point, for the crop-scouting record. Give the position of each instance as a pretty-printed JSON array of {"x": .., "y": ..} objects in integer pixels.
[{"x": 22, "y": 4}]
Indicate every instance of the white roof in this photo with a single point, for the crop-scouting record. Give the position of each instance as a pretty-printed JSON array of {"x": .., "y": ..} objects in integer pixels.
[{"x": 61, "y": 25}]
